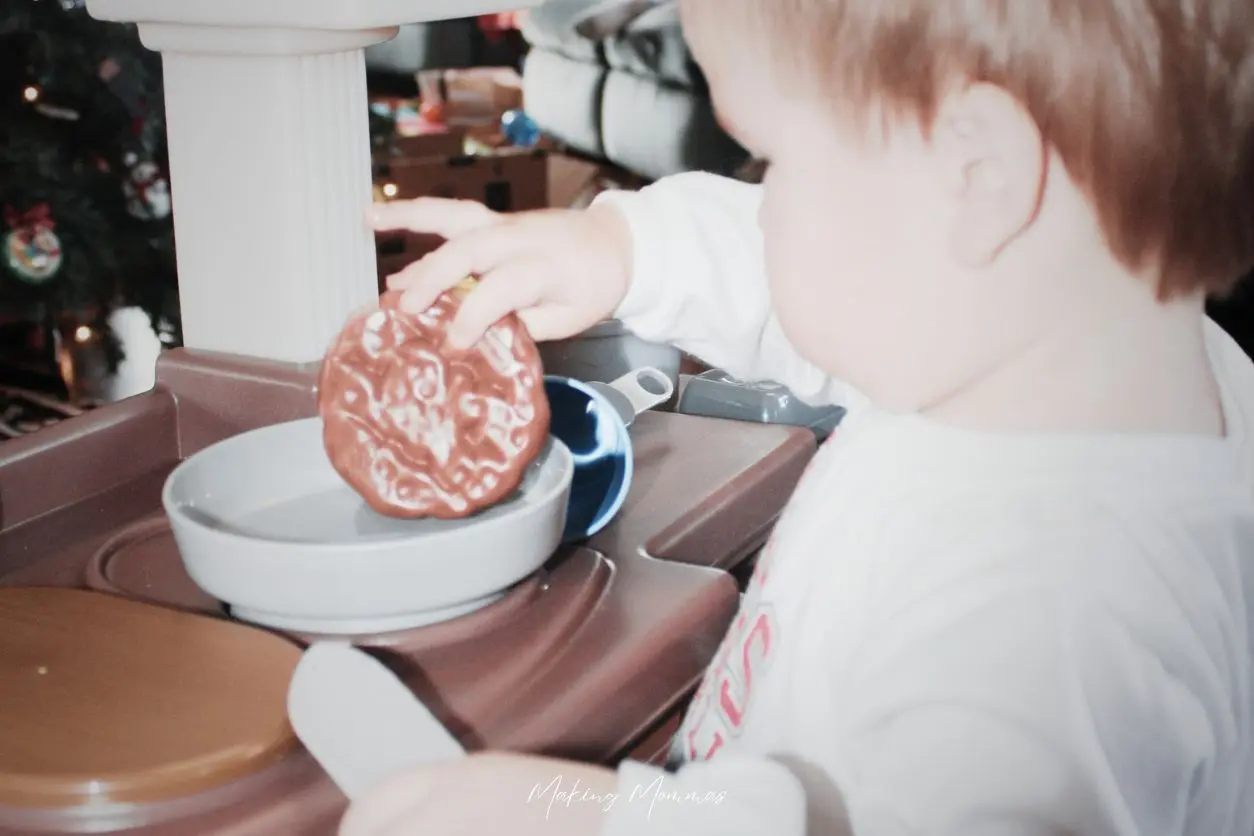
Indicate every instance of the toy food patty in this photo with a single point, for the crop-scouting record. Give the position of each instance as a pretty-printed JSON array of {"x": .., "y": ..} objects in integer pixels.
[{"x": 420, "y": 430}]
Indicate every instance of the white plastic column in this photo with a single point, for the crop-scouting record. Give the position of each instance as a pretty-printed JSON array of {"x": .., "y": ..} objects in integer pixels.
[
  {"x": 270, "y": 161},
  {"x": 270, "y": 171}
]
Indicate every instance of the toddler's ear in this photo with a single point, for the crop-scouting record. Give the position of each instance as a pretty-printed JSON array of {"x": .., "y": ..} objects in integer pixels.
[{"x": 995, "y": 164}]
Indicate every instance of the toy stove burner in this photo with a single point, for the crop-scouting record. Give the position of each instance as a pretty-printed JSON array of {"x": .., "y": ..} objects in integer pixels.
[
  {"x": 511, "y": 640},
  {"x": 141, "y": 562},
  {"x": 135, "y": 564}
]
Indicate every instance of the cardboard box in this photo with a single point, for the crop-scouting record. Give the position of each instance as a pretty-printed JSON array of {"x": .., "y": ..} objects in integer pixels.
[
  {"x": 511, "y": 180},
  {"x": 446, "y": 143},
  {"x": 570, "y": 182},
  {"x": 575, "y": 182},
  {"x": 480, "y": 94}
]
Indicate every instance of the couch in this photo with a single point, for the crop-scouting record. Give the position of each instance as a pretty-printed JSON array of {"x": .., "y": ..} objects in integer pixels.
[
  {"x": 614, "y": 80},
  {"x": 446, "y": 45}
]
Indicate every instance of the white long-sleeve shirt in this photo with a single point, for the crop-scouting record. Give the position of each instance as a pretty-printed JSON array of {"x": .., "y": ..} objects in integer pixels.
[{"x": 953, "y": 633}]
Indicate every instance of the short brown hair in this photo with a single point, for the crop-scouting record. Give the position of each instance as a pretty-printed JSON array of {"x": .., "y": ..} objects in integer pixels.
[{"x": 1148, "y": 103}]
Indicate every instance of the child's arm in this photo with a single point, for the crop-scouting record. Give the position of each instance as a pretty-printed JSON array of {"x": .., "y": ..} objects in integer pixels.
[
  {"x": 698, "y": 281},
  {"x": 679, "y": 262}
]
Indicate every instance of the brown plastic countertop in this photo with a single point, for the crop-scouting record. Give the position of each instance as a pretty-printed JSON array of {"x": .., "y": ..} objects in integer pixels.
[{"x": 592, "y": 658}]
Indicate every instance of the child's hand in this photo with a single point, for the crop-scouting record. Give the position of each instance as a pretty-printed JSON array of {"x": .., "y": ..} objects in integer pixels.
[
  {"x": 487, "y": 793},
  {"x": 561, "y": 270}
]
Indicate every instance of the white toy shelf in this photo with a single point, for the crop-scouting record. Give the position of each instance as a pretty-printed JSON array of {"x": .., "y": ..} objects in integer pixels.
[{"x": 270, "y": 159}]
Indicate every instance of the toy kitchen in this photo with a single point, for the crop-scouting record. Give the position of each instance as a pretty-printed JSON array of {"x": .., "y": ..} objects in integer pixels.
[{"x": 139, "y": 692}]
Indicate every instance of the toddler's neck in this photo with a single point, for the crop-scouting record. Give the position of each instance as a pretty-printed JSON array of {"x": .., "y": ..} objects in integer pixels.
[{"x": 1125, "y": 364}]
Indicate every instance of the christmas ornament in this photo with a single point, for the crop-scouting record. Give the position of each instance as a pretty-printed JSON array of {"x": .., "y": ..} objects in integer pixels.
[
  {"x": 147, "y": 191},
  {"x": 520, "y": 129},
  {"x": 433, "y": 112},
  {"x": 32, "y": 250}
]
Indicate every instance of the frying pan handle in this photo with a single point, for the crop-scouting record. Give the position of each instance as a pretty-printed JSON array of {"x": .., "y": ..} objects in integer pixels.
[{"x": 645, "y": 388}]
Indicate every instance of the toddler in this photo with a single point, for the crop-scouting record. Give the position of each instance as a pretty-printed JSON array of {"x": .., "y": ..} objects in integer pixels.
[{"x": 1012, "y": 594}]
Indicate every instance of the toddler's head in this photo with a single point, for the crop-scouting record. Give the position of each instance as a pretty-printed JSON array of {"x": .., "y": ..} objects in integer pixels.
[{"x": 950, "y": 178}]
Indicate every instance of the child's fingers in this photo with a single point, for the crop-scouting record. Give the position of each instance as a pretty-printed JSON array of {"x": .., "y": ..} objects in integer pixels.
[
  {"x": 432, "y": 215},
  {"x": 471, "y": 254},
  {"x": 546, "y": 322},
  {"x": 509, "y": 288},
  {"x": 385, "y": 808},
  {"x": 399, "y": 280}
]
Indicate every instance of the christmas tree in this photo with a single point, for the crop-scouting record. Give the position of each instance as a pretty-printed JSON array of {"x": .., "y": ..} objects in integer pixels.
[{"x": 86, "y": 225}]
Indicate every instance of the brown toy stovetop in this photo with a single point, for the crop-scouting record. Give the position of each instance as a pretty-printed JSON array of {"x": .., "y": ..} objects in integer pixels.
[{"x": 590, "y": 659}]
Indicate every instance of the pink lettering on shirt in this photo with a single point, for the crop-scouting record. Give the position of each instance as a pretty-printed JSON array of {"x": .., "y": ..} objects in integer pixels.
[
  {"x": 719, "y": 708},
  {"x": 722, "y": 702}
]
